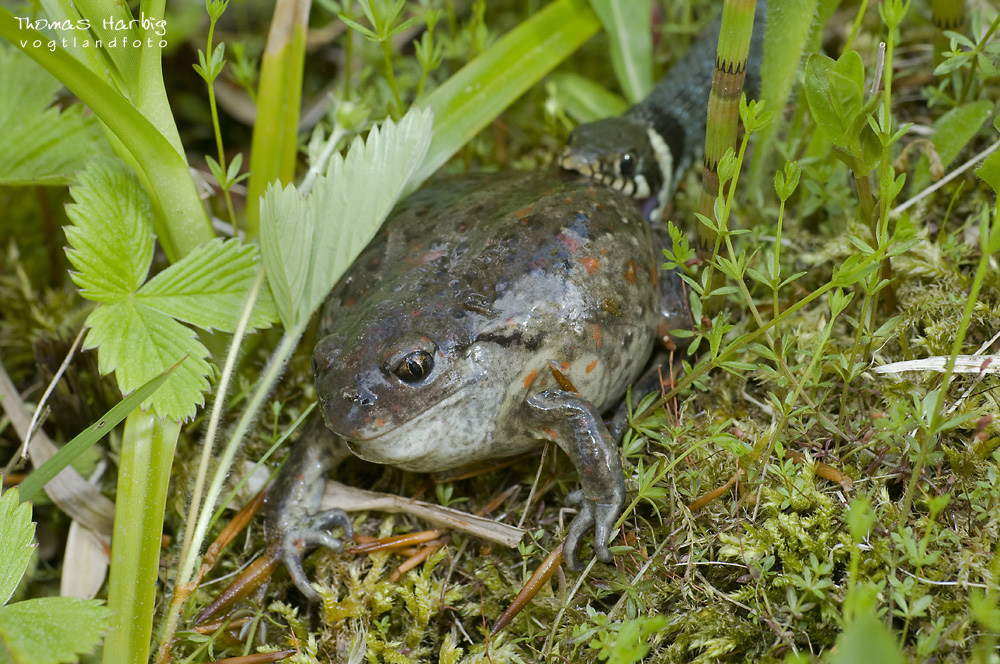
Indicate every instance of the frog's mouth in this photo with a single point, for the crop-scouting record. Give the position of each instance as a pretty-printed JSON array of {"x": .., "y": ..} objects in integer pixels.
[{"x": 441, "y": 437}]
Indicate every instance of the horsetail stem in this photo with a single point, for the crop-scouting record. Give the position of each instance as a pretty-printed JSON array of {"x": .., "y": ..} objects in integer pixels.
[
  {"x": 947, "y": 15},
  {"x": 723, "y": 107}
]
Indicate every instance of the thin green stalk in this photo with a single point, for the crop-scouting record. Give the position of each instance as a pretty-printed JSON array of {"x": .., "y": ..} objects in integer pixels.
[
  {"x": 777, "y": 260},
  {"x": 348, "y": 50},
  {"x": 856, "y": 26},
  {"x": 391, "y": 75},
  {"x": 143, "y": 477},
  {"x": 218, "y": 130},
  {"x": 272, "y": 373},
  {"x": 191, "y": 545},
  {"x": 148, "y": 90}
]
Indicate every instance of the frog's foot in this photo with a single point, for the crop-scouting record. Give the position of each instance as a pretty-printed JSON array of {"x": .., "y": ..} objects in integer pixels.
[
  {"x": 581, "y": 432},
  {"x": 311, "y": 532}
]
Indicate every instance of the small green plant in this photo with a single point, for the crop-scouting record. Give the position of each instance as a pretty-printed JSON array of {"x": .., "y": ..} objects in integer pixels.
[{"x": 48, "y": 630}]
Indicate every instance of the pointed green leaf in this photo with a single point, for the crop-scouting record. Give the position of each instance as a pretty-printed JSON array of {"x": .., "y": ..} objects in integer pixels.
[
  {"x": 469, "y": 100},
  {"x": 52, "y": 630},
  {"x": 628, "y": 24},
  {"x": 208, "y": 287},
  {"x": 585, "y": 100},
  {"x": 308, "y": 244},
  {"x": 86, "y": 438},
  {"x": 111, "y": 237},
  {"x": 41, "y": 145},
  {"x": 16, "y": 535},
  {"x": 138, "y": 343}
]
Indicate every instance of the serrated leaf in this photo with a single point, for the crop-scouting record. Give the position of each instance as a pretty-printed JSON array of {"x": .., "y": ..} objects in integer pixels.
[
  {"x": 41, "y": 146},
  {"x": 111, "y": 241},
  {"x": 286, "y": 229},
  {"x": 16, "y": 535},
  {"x": 138, "y": 343},
  {"x": 308, "y": 244},
  {"x": 208, "y": 287},
  {"x": 52, "y": 630},
  {"x": 362, "y": 187},
  {"x": 628, "y": 26}
]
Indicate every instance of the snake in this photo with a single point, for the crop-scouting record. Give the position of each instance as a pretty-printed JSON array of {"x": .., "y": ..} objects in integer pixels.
[{"x": 644, "y": 152}]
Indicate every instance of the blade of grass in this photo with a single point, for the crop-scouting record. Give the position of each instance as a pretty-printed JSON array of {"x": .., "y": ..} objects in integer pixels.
[
  {"x": 628, "y": 24},
  {"x": 481, "y": 90},
  {"x": 37, "y": 480},
  {"x": 274, "y": 146}
]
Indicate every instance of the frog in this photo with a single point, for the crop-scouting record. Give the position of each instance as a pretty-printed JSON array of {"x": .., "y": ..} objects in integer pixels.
[{"x": 434, "y": 348}]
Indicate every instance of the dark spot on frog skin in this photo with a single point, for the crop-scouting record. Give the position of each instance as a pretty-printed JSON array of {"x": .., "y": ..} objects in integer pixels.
[{"x": 513, "y": 337}]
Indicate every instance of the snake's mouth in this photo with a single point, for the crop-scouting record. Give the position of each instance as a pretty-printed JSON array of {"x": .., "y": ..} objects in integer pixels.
[{"x": 635, "y": 186}]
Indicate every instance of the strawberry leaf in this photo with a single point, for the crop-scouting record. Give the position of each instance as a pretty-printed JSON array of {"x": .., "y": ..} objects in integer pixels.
[
  {"x": 16, "y": 542},
  {"x": 111, "y": 235},
  {"x": 138, "y": 343}
]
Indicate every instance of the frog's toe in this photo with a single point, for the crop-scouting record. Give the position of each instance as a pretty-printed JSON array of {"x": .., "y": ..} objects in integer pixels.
[
  {"x": 599, "y": 516},
  {"x": 583, "y": 522},
  {"x": 295, "y": 542}
]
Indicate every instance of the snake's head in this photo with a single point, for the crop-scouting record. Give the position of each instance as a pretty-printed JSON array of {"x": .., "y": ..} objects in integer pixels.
[{"x": 622, "y": 153}]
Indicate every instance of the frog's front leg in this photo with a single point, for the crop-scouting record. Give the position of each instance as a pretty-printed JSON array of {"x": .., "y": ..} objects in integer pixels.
[
  {"x": 293, "y": 524},
  {"x": 581, "y": 433}
]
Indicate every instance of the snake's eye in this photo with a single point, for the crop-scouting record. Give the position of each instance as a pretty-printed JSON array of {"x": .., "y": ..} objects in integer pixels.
[
  {"x": 627, "y": 165},
  {"x": 414, "y": 367}
]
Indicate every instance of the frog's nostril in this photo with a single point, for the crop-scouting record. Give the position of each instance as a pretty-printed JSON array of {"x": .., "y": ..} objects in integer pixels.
[{"x": 358, "y": 395}]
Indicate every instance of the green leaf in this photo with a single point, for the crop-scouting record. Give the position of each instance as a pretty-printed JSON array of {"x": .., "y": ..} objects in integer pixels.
[
  {"x": 835, "y": 93},
  {"x": 952, "y": 132},
  {"x": 481, "y": 90},
  {"x": 628, "y": 24},
  {"x": 111, "y": 237},
  {"x": 138, "y": 343},
  {"x": 16, "y": 535},
  {"x": 286, "y": 231},
  {"x": 308, "y": 244},
  {"x": 585, "y": 100},
  {"x": 52, "y": 630},
  {"x": 208, "y": 287},
  {"x": 41, "y": 145},
  {"x": 989, "y": 171},
  {"x": 866, "y": 640},
  {"x": 86, "y": 438}
]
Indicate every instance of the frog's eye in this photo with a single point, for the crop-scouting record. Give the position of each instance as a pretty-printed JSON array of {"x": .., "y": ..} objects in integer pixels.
[
  {"x": 627, "y": 164},
  {"x": 414, "y": 367}
]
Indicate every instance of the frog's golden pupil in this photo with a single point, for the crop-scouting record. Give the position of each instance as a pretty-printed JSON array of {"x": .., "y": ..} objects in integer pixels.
[{"x": 414, "y": 366}]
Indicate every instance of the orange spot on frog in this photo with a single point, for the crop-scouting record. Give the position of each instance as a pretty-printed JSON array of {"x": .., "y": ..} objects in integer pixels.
[
  {"x": 591, "y": 366},
  {"x": 530, "y": 378},
  {"x": 630, "y": 272},
  {"x": 590, "y": 264},
  {"x": 597, "y": 335}
]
